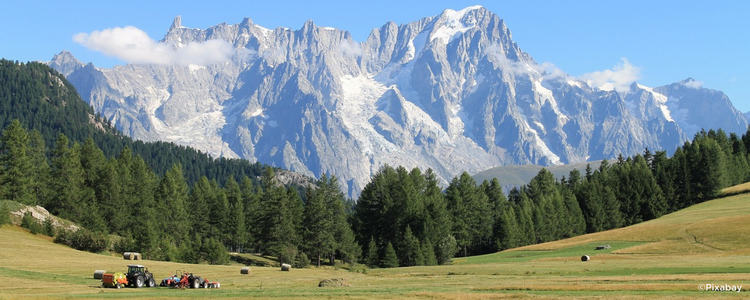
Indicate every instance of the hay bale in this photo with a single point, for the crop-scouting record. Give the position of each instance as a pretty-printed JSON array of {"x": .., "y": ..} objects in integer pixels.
[
  {"x": 245, "y": 270},
  {"x": 99, "y": 273},
  {"x": 585, "y": 258},
  {"x": 128, "y": 255},
  {"x": 333, "y": 282},
  {"x": 137, "y": 256},
  {"x": 286, "y": 267}
]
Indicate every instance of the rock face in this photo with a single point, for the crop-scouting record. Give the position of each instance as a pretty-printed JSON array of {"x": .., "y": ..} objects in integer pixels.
[{"x": 451, "y": 92}]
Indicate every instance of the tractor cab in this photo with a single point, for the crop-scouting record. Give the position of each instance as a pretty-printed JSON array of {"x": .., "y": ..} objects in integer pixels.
[{"x": 137, "y": 269}]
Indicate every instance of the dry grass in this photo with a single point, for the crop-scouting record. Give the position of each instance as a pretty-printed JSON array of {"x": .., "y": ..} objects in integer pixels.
[{"x": 666, "y": 258}]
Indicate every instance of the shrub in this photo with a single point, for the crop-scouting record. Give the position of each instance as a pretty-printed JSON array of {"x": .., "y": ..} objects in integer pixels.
[
  {"x": 4, "y": 214},
  {"x": 125, "y": 244},
  {"x": 48, "y": 228},
  {"x": 86, "y": 240},
  {"x": 301, "y": 261},
  {"x": 83, "y": 240},
  {"x": 214, "y": 252},
  {"x": 30, "y": 223}
]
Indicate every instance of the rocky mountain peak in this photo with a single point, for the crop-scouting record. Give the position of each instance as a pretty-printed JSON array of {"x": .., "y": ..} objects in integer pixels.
[
  {"x": 177, "y": 23},
  {"x": 65, "y": 63},
  {"x": 452, "y": 92}
]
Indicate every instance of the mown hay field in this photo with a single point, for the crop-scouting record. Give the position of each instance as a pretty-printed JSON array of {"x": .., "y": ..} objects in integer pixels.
[{"x": 668, "y": 258}]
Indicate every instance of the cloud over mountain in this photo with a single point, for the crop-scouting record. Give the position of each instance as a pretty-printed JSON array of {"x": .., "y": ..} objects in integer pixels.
[{"x": 133, "y": 45}]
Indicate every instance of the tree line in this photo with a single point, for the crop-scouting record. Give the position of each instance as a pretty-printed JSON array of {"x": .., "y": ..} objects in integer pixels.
[
  {"x": 163, "y": 217},
  {"x": 403, "y": 218}
]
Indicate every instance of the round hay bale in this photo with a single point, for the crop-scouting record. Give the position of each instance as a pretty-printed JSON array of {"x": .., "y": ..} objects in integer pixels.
[
  {"x": 128, "y": 255},
  {"x": 99, "y": 273},
  {"x": 286, "y": 267},
  {"x": 137, "y": 256},
  {"x": 585, "y": 258},
  {"x": 245, "y": 270}
]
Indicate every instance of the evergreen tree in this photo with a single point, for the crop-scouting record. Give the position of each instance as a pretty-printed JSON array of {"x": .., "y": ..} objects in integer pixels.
[
  {"x": 236, "y": 216},
  {"x": 251, "y": 198},
  {"x": 318, "y": 227},
  {"x": 469, "y": 207},
  {"x": 198, "y": 206},
  {"x": 109, "y": 192},
  {"x": 411, "y": 252},
  {"x": 16, "y": 174},
  {"x": 144, "y": 225},
  {"x": 40, "y": 168},
  {"x": 172, "y": 196},
  {"x": 4, "y": 214},
  {"x": 507, "y": 229},
  {"x": 428, "y": 252},
  {"x": 373, "y": 259},
  {"x": 67, "y": 199},
  {"x": 390, "y": 259}
]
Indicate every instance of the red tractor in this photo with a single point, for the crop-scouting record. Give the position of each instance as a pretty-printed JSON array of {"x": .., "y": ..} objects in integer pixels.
[{"x": 183, "y": 279}]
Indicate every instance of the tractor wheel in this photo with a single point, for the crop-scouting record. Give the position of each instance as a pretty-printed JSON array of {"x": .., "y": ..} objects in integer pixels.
[
  {"x": 150, "y": 283},
  {"x": 139, "y": 281},
  {"x": 196, "y": 283},
  {"x": 205, "y": 284}
]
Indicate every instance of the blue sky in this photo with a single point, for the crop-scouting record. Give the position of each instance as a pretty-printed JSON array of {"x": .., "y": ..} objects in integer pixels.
[{"x": 665, "y": 41}]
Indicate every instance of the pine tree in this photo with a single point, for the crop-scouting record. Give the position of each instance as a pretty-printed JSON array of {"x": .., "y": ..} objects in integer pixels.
[
  {"x": 507, "y": 229},
  {"x": 4, "y": 214},
  {"x": 318, "y": 228},
  {"x": 67, "y": 199},
  {"x": 198, "y": 206},
  {"x": 373, "y": 259},
  {"x": 410, "y": 250},
  {"x": 16, "y": 173},
  {"x": 251, "y": 198},
  {"x": 236, "y": 216},
  {"x": 172, "y": 195},
  {"x": 468, "y": 205},
  {"x": 144, "y": 226},
  {"x": 390, "y": 259},
  {"x": 40, "y": 168}
]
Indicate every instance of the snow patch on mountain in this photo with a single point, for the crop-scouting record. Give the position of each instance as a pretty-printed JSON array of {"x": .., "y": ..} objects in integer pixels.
[{"x": 453, "y": 23}]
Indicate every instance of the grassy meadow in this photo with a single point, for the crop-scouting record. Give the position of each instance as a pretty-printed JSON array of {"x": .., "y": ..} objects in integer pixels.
[{"x": 667, "y": 258}]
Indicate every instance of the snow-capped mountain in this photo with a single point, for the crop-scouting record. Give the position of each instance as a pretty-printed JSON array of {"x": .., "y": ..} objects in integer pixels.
[{"x": 451, "y": 92}]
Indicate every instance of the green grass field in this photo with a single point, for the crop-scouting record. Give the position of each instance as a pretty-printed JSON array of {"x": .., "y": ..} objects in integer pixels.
[{"x": 667, "y": 258}]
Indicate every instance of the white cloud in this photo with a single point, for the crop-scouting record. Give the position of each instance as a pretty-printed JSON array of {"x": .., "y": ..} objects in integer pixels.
[
  {"x": 693, "y": 84},
  {"x": 618, "y": 78},
  {"x": 518, "y": 68},
  {"x": 132, "y": 45},
  {"x": 552, "y": 72},
  {"x": 350, "y": 48}
]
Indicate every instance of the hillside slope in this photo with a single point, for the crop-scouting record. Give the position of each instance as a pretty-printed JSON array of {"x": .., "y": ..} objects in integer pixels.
[{"x": 666, "y": 258}]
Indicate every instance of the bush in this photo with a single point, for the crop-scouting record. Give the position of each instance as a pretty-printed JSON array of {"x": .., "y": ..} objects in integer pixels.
[
  {"x": 64, "y": 237},
  {"x": 125, "y": 244},
  {"x": 86, "y": 240},
  {"x": 4, "y": 213},
  {"x": 446, "y": 248},
  {"x": 301, "y": 261},
  {"x": 358, "y": 268},
  {"x": 83, "y": 240},
  {"x": 30, "y": 223},
  {"x": 214, "y": 252},
  {"x": 48, "y": 228}
]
